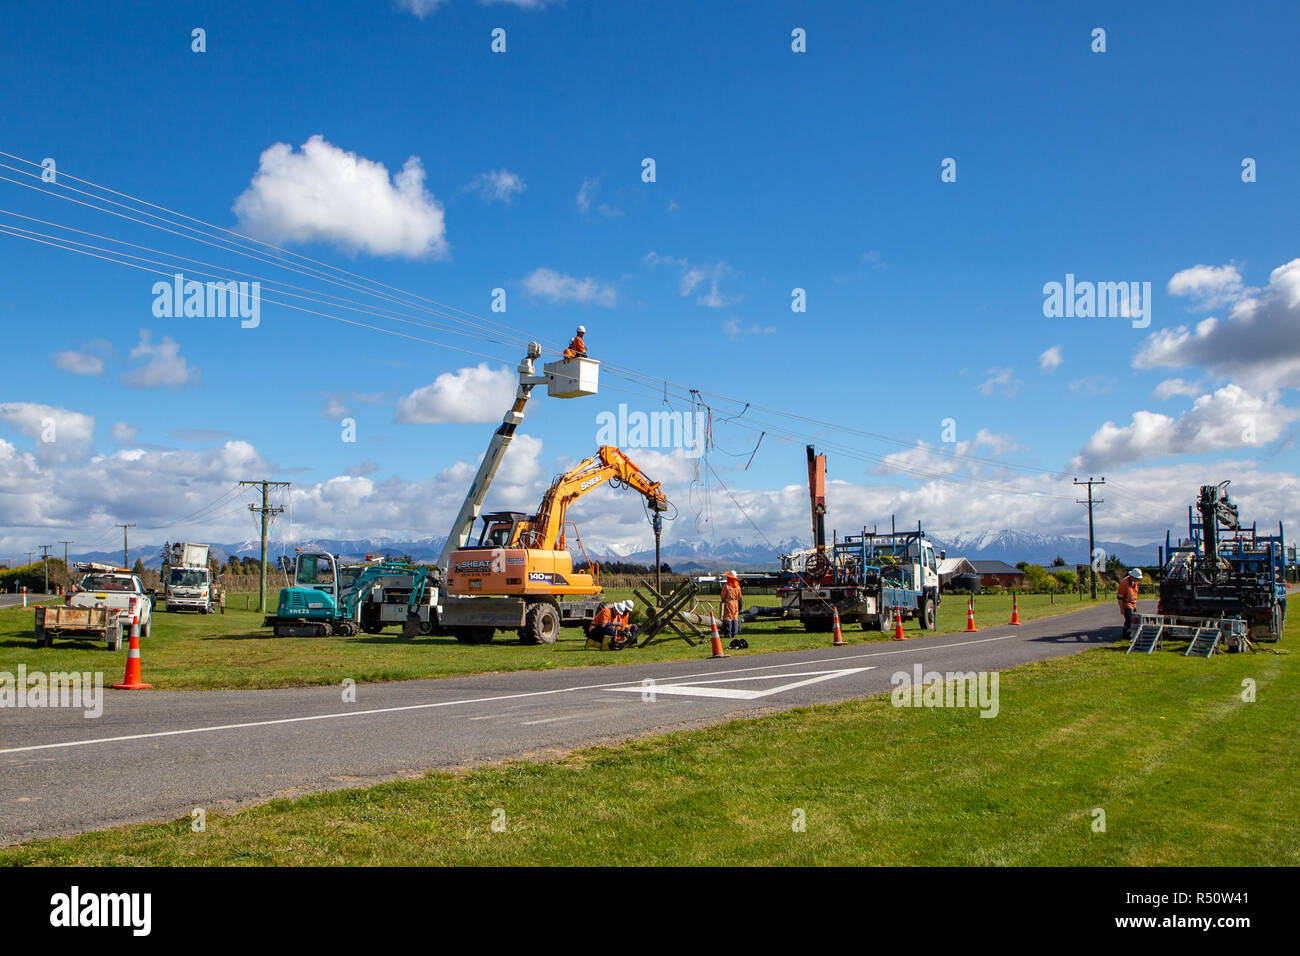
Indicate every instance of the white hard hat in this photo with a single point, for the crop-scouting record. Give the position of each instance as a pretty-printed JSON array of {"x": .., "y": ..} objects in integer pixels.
[
  {"x": 627, "y": 606},
  {"x": 582, "y": 330},
  {"x": 1136, "y": 574}
]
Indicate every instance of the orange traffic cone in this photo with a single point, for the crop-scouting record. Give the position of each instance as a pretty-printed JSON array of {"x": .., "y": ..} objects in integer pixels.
[
  {"x": 133, "y": 679},
  {"x": 898, "y": 624},
  {"x": 970, "y": 617},
  {"x": 839, "y": 635},
  {"x": 717, "y": 641},
  {"x": 1015, "y": 611}
]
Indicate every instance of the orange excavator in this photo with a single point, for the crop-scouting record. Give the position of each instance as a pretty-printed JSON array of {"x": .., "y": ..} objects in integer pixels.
[{"x": 520, "y": 556}]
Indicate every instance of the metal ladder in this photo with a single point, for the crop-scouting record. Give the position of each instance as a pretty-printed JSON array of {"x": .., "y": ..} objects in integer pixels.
[
  {"x": 1146, "y": 640},
  {"x": 1204, "y": 642}
]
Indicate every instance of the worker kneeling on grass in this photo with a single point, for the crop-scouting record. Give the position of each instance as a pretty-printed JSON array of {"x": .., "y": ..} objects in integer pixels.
[
  {"x": 627, "y": 631},
  {"x": 609, "y": 629},
  {"x": 730, "y": 597},
  {"x": 1127, "y": 595}
]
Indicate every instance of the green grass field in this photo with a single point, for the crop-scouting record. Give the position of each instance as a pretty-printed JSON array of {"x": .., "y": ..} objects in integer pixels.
[
  {"x": 1185, "y": 770},
  {"x": 202, "y": 652}
]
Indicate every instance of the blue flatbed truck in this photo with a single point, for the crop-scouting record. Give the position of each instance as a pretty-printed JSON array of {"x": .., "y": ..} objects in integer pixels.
[{"x": 1224, "y": 571}]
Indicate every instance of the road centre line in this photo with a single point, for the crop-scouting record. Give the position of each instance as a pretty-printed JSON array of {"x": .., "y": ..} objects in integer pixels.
[{"x": 487, "y": 700}]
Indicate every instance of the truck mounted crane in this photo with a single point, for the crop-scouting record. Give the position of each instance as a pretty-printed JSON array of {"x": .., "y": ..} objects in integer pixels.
[{"x": 523, "y": 562}]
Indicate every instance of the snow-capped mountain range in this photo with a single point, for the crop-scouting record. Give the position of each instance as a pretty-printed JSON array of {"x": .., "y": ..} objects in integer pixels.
[{"x": 700, "y": 554}]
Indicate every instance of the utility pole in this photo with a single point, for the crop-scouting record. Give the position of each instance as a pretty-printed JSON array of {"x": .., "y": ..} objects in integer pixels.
[
  {"x": 266, "y": 511},
  {"x": 46, "y": 559},
  {"x": 126, "y": 553},
  {"x": 1092, "y": 541},
  {"x": 66, "y": 568}
]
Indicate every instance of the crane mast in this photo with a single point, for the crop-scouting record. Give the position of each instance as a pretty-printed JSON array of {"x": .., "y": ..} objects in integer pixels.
[{"x": 487, "y": 470}]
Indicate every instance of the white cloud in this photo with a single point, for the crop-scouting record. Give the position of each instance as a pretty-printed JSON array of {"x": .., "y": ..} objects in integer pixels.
[
  {"x": 58, "y": 434},
  {"x": 1000, "y": 380},
  {"x": 1210, "y": 286},
  {"x": 1092, "y": 385},
  {"x": 124, "y": 434},
  {"x": 1229, "y": 418},
  {"x": 556, "y": 287},
  {"x": 325, "y": 194},
  {"x": 1050, "y": 359},
  {"x": 1259, "y": 341},
  {"x": 163, "y": 364},
  {"x": 734, "y": 329},
  {"x": 83, "y": 499},
  {"x": 1176, "y": 386},
  {"x": 705, "y": 277},
  {"x": 586, "y": 197},
  {"x": 421, "y": 8},
  {"x": 78, "y": 363},
  {"x": 333, "y": 407},
  {"x": 926, "y": 459},
  {"x": 477, "y": 394},
  {"x": 499, "y": 185}
]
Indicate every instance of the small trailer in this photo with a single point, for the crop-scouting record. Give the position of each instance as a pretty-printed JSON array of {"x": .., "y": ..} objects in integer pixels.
[{"x": 61, "y": 620}]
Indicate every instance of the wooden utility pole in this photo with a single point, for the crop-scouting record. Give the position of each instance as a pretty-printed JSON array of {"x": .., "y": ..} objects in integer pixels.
[
  {"x": 266, "y": 512},
  {"x": 45, "y": 558},
  {"x": 1092, "y": 541},
  {"x": 126, "y": 552},
  {"x": 66, "y": 568}
]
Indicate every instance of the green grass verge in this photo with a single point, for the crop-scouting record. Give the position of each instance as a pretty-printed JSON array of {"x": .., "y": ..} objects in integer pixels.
[
  {"x": 1186, "y": 772},
  {"x": 233, "y": 651}
]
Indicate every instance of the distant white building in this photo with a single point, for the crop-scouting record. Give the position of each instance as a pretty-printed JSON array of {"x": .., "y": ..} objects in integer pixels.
[{"x": 951, "y": 567}]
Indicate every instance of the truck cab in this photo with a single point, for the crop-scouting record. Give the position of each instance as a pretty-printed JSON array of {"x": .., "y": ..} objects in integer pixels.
[{"x": 114, "y": 588}]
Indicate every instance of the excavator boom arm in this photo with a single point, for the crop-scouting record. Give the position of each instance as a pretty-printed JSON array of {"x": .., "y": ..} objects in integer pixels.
[{"x": 546, "y": 530}]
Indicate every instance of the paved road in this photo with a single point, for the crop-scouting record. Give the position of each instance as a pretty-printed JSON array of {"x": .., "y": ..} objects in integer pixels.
[
  {"x": 156, "y": 755},
  {"x": 16, "y": 600}
]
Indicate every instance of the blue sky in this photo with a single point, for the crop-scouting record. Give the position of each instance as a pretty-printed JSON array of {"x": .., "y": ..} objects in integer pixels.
[{"x": 774, "y": 170}]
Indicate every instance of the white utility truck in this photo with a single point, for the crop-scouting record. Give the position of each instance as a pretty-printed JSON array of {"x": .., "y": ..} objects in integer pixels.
[
  {"x": 102, "y": 605},
  {"x": 188, "y": 580}
]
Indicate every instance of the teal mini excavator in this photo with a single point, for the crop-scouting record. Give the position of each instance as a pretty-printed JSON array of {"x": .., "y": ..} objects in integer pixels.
[{"x": 326, "y": 598}]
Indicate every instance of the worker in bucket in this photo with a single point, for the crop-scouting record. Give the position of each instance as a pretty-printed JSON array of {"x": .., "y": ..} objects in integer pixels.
[
  {"x": 577, "y": 348},
  {"x": 1127, "y": 594},
  {"x": 730, "y": 598}
]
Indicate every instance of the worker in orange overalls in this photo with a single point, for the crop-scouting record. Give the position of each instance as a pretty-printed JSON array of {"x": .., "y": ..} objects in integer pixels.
[
  {"x": 601, "y": 628},
  {"x": 577, "y": 348},
  {"x": 626, "y": 630},
  {"x": 730, "y": 598},
  {"x": 1127, "y": 595}
]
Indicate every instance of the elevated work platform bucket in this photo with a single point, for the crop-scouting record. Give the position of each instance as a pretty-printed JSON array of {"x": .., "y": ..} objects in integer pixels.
[{"x": 572, "y": 378}]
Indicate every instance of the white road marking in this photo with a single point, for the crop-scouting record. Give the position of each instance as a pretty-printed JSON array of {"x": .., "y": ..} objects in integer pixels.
[
  {"x": 612, "y": 685},
  {"x": 699, "y": 689}
]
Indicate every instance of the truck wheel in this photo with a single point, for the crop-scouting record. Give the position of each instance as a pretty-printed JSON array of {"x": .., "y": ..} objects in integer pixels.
[
  {"x": 148, "y": 628},
  {"x": 541, "y": 624},
  {"x": 927, "y": 614},
  {"x": 475, "y": 635}
]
